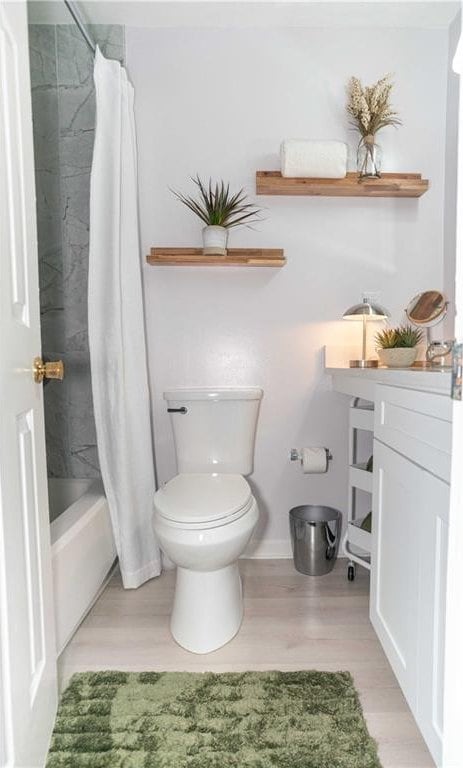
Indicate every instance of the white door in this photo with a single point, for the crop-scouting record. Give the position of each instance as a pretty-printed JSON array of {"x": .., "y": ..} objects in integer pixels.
[
  {"x": 453, "y": 687},
  {"x": 28, "y": 690}
]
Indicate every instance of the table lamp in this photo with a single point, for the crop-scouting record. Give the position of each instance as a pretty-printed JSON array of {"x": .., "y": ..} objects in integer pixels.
[{"x": 366, "y": 312}]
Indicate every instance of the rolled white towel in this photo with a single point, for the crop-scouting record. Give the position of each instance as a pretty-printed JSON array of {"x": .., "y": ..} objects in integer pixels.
[{"x": 313, "y": 159}]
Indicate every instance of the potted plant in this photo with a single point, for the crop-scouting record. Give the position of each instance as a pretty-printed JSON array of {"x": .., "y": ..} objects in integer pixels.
[
  {"x": 220, "y": 210},
  {"x": 396, "y": 347},
  {"x": 370, "y": 111}
]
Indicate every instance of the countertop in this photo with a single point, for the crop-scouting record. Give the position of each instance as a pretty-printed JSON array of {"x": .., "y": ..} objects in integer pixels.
[{"x": 359, "y": 382}]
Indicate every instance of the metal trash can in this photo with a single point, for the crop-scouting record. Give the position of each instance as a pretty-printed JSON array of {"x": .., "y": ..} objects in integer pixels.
[{"x": 315, "y": 536}]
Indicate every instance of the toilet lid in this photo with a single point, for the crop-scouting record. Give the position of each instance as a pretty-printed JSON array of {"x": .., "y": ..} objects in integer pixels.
[{"x": 202, "y": 498}]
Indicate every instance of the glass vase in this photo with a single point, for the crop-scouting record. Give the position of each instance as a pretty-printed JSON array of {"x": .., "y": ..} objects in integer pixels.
[{"x": 369, "y": 156}]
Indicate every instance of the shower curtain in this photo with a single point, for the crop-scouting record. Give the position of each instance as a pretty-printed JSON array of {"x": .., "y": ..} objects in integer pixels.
[{"x": 116, "y": 329}]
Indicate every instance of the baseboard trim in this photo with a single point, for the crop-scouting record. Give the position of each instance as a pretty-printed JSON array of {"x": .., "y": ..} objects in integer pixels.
[
  {"x": 268, "y": 549},
  {"x": 272, "y": 549}
]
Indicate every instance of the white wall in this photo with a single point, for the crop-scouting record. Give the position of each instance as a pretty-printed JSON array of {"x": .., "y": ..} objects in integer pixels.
[
  {"x": 218, "y": 102},
  {"x": 450, "y": 190}
]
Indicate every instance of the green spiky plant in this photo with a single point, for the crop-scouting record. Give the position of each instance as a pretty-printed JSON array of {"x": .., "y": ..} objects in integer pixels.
[
  {"x": 217, "y": 206},
  {"x": 404, "y": 336}
]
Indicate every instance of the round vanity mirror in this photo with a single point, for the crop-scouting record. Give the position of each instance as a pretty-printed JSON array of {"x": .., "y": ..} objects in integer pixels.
[{"x": 427, "y": 308}]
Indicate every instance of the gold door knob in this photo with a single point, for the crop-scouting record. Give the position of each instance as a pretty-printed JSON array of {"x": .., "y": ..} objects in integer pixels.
[{"x": 47, "y": 370}]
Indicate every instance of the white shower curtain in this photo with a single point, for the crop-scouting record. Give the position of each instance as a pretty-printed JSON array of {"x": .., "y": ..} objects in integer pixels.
[{"x": 116, "y": 328}]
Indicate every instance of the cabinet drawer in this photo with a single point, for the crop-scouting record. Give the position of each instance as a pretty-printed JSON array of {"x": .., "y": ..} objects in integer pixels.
[{"x": 418, "y": 425}]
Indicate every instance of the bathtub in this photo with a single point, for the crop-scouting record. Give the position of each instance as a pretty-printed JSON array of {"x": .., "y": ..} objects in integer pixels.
[{"x": 82, "y": 548}]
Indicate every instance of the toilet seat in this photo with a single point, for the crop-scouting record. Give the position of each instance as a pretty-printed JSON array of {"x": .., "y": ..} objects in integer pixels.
[{"x": 203, "y": 500}]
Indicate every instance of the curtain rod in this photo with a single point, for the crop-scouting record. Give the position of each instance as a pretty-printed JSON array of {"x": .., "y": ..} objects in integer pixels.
[{"x": 74, "y": 11}]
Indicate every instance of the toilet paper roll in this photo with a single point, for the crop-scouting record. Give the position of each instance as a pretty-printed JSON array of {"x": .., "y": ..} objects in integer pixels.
[{"x": 314, "y": 460}]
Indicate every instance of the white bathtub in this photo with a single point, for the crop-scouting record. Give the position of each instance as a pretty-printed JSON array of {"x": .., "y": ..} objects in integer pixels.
[{"x": 83, "y": 550}]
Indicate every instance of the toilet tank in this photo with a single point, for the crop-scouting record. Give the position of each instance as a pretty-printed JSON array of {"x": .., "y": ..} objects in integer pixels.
[{"x": 216, "y": 433}]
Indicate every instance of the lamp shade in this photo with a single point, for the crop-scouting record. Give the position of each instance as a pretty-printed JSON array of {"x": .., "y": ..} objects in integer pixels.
[{"x": 366, "y": 310}]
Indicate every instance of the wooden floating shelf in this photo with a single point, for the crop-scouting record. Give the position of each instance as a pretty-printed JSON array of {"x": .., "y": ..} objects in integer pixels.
[
  {"x": 389, "y": 185},
  {"x": 236, "y": 257}
]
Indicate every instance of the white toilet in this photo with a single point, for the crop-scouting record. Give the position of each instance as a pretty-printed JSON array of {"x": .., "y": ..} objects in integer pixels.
[{"x": 205, "y": 516}]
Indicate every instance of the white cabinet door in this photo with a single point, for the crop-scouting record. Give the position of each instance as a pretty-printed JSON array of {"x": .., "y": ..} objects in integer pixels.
[
  {"x": 409, "y": 553},
  {"x": 28, "y": 691},
  {"x": 394, "y": 562},
  {"x": 431, "y": 619}
]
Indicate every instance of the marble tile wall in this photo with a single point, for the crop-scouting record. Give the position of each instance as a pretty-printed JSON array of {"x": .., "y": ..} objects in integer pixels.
[{"x": 63, "y": 108}]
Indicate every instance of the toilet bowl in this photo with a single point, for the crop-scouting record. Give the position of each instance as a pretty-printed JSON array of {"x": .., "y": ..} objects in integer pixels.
[
  {"x": 204, "y": 522},
  {"x": 204, "y": 517}
]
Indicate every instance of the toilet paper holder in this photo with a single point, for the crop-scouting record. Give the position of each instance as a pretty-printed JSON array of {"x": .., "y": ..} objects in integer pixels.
[{"x": 296, "y": 455}]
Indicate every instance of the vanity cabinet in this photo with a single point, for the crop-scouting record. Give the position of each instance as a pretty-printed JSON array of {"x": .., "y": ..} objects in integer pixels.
[
  {"x": 409, "y": 545},
  {"x": 411, "y": 497}
]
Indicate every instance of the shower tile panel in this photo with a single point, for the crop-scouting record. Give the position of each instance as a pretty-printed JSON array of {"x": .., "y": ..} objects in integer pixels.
[
  {"x": 63, "y": 102},
  {"x": 53, "y": 335},
  {"x": 84, "y": 461},
  {"x": 111, "y": 40},
  {"x": 46, "y": 149},
  {"x": 56, "y": 426},
  {"x": 42, "y": 53},
  {"x": 45, "y": 111},
  {"x": 82, "y": 444}
]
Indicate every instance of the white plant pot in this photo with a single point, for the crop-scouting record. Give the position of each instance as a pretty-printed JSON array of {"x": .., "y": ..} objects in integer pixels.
[
  {"x": 215, "y": 240},
  {"x": 400, "y": 357}
]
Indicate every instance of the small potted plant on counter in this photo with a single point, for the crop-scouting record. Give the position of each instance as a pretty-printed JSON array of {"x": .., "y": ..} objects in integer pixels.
[
  {"x": 396, "y": 347},
  {"x": 220, "y": 210}
]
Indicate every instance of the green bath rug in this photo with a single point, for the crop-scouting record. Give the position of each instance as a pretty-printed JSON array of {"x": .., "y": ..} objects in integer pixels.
[{"x": 188, "y": 720}]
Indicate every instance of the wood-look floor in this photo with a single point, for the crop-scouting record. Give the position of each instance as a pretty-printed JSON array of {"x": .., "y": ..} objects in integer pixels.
[{"x": 291, "y": 622}]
